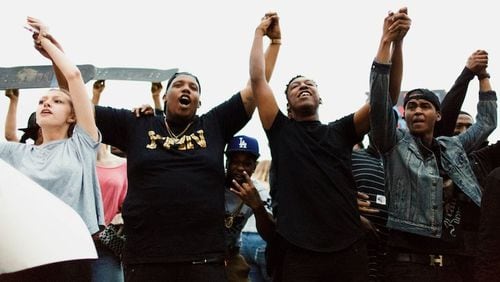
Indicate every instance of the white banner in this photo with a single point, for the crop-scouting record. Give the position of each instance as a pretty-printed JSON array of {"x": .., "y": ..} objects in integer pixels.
[{"x": 37, "y": 228}]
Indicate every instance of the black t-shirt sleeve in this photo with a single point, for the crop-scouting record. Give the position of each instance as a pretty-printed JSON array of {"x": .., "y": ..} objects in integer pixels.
[
  {"x": 346, "y": 125},
  {"x": 231, "y": 116},
  {"x": 278, "y": 123},
  {"x": 114, "y": 125}
]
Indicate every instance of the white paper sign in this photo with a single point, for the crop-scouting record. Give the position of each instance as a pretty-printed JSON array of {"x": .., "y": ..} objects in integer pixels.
[{"x": 37, "y": 228}]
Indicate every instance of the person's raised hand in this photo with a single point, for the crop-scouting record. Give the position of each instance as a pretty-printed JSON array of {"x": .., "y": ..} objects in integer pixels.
[
  {"x": 156, "y": 88},
  {"x": 99, "y": 86},
  {"x": 477, "y": 61},
  {"x": 273, "y": 30},
  {"x": 12, "y": 94},
  {"x": 43, "y": 32},
  {"x": 401, "y": 23},
  {"x": 247, "y": 192},
  {"x": 264, "y": 24}
]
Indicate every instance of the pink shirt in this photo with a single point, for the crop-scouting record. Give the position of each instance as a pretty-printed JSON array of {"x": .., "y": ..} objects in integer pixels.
[{"x": 113, "y": 181}]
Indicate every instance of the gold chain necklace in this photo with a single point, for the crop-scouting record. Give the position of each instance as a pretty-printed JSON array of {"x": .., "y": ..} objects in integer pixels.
[
  {"x": 171, "y": 133},
  {"x": 228, "y": 221}
]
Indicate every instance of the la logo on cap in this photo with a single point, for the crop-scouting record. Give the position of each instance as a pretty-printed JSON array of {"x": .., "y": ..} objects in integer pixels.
[{"x": 242, "y": 144}]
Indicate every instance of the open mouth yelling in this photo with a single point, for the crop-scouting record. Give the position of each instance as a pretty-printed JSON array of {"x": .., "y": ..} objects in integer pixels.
[{"x": 185, "y": 100}]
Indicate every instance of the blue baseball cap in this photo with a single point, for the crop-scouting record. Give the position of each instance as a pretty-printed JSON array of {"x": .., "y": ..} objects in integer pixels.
[{"x": 242, "y": 143}]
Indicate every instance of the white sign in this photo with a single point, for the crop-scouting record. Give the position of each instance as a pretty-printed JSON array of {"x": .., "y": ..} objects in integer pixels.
[{"x": 37, "y": 228}]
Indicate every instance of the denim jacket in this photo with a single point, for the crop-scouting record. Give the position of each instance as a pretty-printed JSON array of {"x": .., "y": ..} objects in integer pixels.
[{"x": 414, "y": 188}]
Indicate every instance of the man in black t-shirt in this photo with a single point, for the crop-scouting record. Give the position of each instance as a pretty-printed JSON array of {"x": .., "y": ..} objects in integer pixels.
[
  {"x": 317, "y": 214},
  {"x": 174, "y": 210},
  {"x": 174, "y": 206}
]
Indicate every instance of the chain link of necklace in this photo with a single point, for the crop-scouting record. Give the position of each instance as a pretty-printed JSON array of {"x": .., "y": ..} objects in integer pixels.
[
  {"x": 228, "y": 221},
  {"x": 171, "y": 133}
]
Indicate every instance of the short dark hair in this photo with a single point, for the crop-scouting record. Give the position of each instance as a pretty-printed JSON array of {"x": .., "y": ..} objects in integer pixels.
[
  {"x": 290, "y": 82},
  {"x": 465, "y": 113},
  {"x": 171, "y": 79}
]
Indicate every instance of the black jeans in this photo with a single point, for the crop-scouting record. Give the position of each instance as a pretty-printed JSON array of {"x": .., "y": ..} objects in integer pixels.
[
  {"x": 416, "y": 272},
  {"x": 488, "y": 259},
  {"x": 350, "y": 264}
]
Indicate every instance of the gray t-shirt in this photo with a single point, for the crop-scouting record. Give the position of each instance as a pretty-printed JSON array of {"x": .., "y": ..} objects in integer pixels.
[
  {"x": 66, "y": 168},
  {"x": 232, "y": 202},
  {"x": 263, "y": 189}
]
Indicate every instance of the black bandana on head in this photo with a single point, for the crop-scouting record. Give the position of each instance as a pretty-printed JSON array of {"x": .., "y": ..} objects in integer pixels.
[
  {"x": 183, "y": 73},
  {"x": 422, "y": 93},
  {"x": 172, "y": 79}
]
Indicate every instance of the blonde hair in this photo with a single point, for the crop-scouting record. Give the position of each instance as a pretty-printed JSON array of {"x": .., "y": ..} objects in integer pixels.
[{"x": 262, "y": 171}]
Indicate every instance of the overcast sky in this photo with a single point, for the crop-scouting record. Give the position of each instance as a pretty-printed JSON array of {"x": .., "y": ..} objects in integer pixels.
[{"x": 333, "y": 42}]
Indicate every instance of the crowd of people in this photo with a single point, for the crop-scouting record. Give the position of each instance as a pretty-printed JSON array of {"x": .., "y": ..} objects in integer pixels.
[{"x": 170, "y": 195}]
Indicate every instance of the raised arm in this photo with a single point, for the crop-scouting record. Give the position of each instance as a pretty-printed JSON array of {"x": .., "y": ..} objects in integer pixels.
[
  {"x": 11, "y": 118},
  {"x": 273, "y": 31},
  {"x": 486, "y": 118},
  {"x": 156, "y": 88},
  {"x": 381, "y": 116},
  {"x": 61, "y": 80},
  {"x": 394, "y": 29},
  {"x": 396, "y": 75},
  {"x": 97, "y": 89},
  {"x": 271, "y": 55},
  {"x": 452, "y": 102},
  {"x": 484, "y": 81},
  {"x": 264, "y": 97},
  {"x": 81, "y": 103}
]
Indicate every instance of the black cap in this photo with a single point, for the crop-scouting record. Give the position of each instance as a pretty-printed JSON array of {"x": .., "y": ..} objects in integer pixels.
[
  {"x": 30, "y": 132},
  {"x": 422, "y": 93}
]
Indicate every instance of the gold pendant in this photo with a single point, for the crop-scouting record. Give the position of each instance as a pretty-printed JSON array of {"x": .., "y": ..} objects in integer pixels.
[{"x": 228, "y": 222}]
